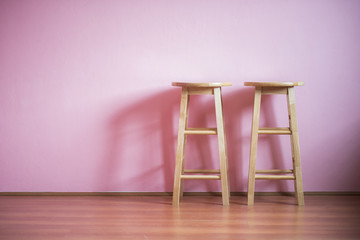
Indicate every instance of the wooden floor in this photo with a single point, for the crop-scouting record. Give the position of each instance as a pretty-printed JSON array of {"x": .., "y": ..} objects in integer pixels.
[{"x": 198, "y": 217}]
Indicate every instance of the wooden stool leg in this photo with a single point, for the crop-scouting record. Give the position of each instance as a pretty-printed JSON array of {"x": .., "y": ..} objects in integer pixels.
[
  {"x": 227, "y": 161},
  {"x": 295, "y": 146},
  {"x": 222, "y": 147},
  {"x": 184, "y": 148},
  {"x": 253, "y": 146},
  {"x": 180, "y": 151}
]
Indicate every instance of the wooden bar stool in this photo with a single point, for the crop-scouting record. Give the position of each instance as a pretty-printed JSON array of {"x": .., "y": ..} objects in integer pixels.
[
  {"x": 181, "y": 173},
  {"x": 286, "y": 88}
]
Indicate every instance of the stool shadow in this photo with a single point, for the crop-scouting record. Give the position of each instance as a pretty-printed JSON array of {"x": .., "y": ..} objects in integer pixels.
[
  {"x": 137, "y": 136},
  {"x": 153, "y": 121},
  {"x": 238, "y": 110},
  {"x": 236, "y": 105},
  {"x": 198, "y": 153},
  {"x": 276, "y": 158}
]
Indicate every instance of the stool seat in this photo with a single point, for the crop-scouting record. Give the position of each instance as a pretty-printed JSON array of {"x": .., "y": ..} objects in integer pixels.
[
  {"x": 194, "y": 84},
  {"x": 181, "y": 174},
  {"x": 273, "y": 84}
]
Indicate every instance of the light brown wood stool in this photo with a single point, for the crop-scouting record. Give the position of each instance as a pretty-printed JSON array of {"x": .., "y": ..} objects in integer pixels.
[
  {"x": 287, "y": 88},
  {"x": 181, "y": 173}
]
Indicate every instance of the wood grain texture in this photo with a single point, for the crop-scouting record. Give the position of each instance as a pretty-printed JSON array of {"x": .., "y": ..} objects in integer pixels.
[
  {"x": 280, "y": 130},
  {"x": 295, "y": 146},
  {"x": 181, "y": 145},
  {"x": 253, "y": 145},
  {"x": 196, "y": 85},
  {"x": 225, "y": 187},
  {"x": 199, "y": 217},
  {"x": 273, "y": 84}
]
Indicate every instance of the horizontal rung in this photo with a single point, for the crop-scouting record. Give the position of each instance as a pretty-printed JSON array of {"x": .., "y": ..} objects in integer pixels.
[
  {"x": 281, "y": 130},
  {"x": 274, "y": 171},
  {"x": 208, "y": 177},
  {"x": 201, "y": 91},
  {"x": 270, "y": 177},
  {"x": 210, "y": 131},
  {"x": 274, "y": 90},
  {"x": 202, "y": 171}
]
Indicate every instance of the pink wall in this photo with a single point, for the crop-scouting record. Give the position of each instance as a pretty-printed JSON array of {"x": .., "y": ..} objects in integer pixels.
[{"x": 86, "y": 100}]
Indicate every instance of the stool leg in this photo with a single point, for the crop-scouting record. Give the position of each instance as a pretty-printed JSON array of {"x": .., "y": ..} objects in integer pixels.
[
  {"x": 222, "y": 147},
  {"x": 227, "y": 161},
  {"x": 180, "y": 151},
  {"x": 295, "y": 146},
  {"x": 184, "y": 148},
  {"x": 253, "y": 146}
]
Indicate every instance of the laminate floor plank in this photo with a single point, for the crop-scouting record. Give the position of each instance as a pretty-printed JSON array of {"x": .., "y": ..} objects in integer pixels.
[{"x": 198, "y": 217}]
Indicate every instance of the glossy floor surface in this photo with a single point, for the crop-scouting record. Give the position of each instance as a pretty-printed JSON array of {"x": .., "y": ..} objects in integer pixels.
[{"x": 198, "y": 217}]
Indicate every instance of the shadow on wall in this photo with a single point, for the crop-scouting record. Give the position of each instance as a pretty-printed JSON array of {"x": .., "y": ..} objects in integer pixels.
[
  {"x": 142, "y": 142},
  {"x": 238, "y": 107},
  {"x": 274, "y": 157},
  {"x": 141, "y": 145}
]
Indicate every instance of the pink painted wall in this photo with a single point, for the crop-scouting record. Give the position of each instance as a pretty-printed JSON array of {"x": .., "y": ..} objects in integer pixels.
[{"x": 86, "y": 100}]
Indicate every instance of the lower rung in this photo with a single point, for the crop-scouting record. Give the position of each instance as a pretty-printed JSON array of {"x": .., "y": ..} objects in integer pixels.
[
  {"x": 202, "y": 170},
  {"x": 281, "y": 130},
  {"x": 274, "y": 171},
  {"x": 270, "y": 177},
  {"x": 208, "y": 131},
  {"x": 198, "y": 177}
]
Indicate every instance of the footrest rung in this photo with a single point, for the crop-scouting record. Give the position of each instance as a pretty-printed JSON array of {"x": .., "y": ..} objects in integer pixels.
[
  {"x": 208, "y": 131},
  {"x": 273, "y": 177},
  {"x": 274, "y": 171},
  {"x": 199, "y": 177},
  {"x": 280, "y": 130},
  {"x": 202, "y": 171}
]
